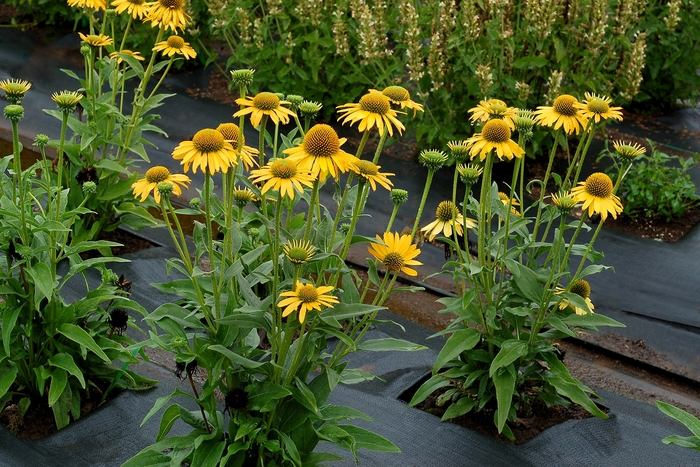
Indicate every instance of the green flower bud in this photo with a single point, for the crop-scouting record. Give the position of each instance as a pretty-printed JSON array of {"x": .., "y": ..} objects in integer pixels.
[
  {"x": 398, "y": 196},
  {"x": 295, "y": 100},
  {"x": 195, "y": 202},
  {"x": 310, "y": 109},
  {"x": 432, "y": 159},
  {"x": 14, "y": 113},
  {"x": 41, "y": 140},
  {"x": 242, "y": 77},
  {"x": 89, "y": 188},
  {"x": 165, "y": 188}
]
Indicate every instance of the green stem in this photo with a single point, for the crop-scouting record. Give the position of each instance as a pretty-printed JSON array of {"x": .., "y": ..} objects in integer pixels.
[{"x": 421, "y": 206}]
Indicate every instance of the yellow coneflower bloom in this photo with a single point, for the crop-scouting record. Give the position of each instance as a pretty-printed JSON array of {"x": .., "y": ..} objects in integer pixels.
[
  {"x": 447, "y": 217},
  {"x": 494, "y": 108},
  {"x": 583, "y": 289},
  {"x": 494, "y": 135},
  {"x": 396, "y": 252},
  {"x": 320, "y": 153},
  {"x": 282, "y": 175},
  {"x": 15, "y": 89},
  {"x": 374, "y": 109},
  {"x": 306, "y": 297},
  {"x": 247, "y": 154},
  {"x": 94, "y": 4},
  {"x": 264, "y": 103},
  {"x": 596, "y": 194},
  {"x": 400, "y": 96},
  {"x": 299, "y": 252},
  {"x": 370, "y": 172},
  {"x": 66, "y": 100},
  {"x": 175, "y": 45},
  {"x": 136, "y": 8},
  {"x": 242, "y": 196},
  {"x": 628, "y": 151},
  {"x": 96, "y": 40},
  {"x": 208, "y": 150},
  {"x": 115, "y": 55},
  {"x": 155, "y": 175},
  {"x": 564, "y": 201},
  {"x": 168, "y": 13},
  {"x": 563, "y": 112},
  {"x": 598, "y": 107}
]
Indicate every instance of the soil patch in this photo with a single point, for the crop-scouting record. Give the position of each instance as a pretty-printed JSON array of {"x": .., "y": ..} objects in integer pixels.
[
  {"x": 39, "y": 421},
  {"x": 130, "y": 243},
  {"x": 526, "y": 427}
]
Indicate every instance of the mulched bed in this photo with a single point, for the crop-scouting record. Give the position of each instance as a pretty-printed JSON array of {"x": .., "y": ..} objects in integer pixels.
[{"x": 524, "y": 429}]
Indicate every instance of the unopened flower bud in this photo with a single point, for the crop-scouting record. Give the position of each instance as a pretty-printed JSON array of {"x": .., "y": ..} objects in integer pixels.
[
  {"x": 41, "y": 140},
  {"x": 14, "y": 113},
  {"x": 242, "y": 77},
  {"x": 165, "y": 188},
  {"x": 195, "y": 202},
  {"x": 89, "y": 188},
  {"x": 432, "y": 159},
  {"x": 398, "y": 196}
]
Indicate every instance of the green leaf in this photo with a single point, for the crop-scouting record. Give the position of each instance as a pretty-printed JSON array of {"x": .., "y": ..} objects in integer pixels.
[
  {"x": 265, "y": 394},
  {"x": 111, "y": 166},
  {"x": 62, "y": 408},
  {"x": 689, "y": 442},
  {"x": 511, "y": 350},
  {"x": 235, "y": 358},
  {"x": 65, "y": 361},
  {"x": 526, "y": 280},
  {"x": 459, "y": 408},
  {"x": 343, "y": 311},
  {"x": 390, "y": 344},
  {"x": 167, "y": 421},
  {"x": 7, "y": 378},
  {"x": 290, "y": 449},
  {"x": 340, "y": 412},
  {"x": 42, "y": 278},
  {"x": 592, "y": 319},
  {"x": 59, "y": 380},
  {"x": 460, "y": 341},
  {"x": 9, "y": 318},
  {"x": 504, "y": 381},
  {"x": 79, "y": 336},
  {"x": 690, "y": 422},
  {"x": 530, "y": 62},
  {"x": 208, "y": 453},
  {"x": 433, "y": 384},
  {"x": 365, "y": 439}
]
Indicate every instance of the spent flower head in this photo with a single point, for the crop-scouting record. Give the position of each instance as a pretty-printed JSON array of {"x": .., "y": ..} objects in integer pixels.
[
  {"x": 15, "y": 89},
  {"x": 432, "y": 159}
]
